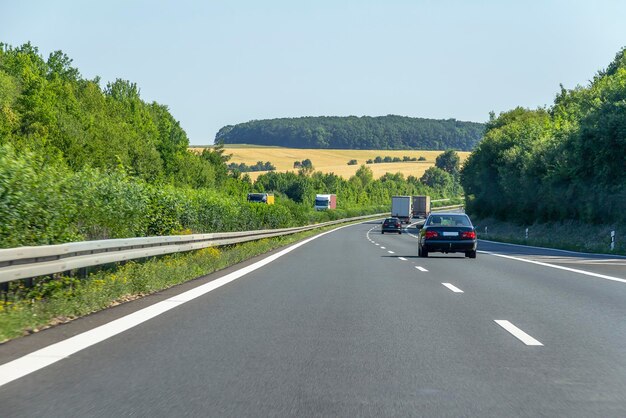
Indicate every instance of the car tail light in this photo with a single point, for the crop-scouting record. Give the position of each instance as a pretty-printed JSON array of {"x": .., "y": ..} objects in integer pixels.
[
  {"x": 431, "y": 234},
  {"x": 398, "y": 224},
  {"x": 468, "y": 235}
]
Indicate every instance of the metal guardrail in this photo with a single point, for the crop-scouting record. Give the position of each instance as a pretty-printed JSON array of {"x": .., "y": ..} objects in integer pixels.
[
  {"x": 28, "y": 262},
  {"x": 448, "y": 207},
  {"x": 447, "y": 199}
]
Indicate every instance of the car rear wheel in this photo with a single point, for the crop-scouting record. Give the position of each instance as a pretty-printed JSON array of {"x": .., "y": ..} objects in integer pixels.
[
  {"x": 470, "y": 254},
  {"x": 382, "y": 232},
  {"x": 422, "y": 252}
]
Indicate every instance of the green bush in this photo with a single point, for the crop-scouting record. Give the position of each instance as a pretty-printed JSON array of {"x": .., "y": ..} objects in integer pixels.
[
  {"x": 34, "y": 209},
  {"x": 165, "y": 211},
  {"x": 108, "y": 205}
]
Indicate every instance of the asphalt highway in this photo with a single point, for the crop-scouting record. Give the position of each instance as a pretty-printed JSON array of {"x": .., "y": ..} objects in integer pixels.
[{"x": 353, "y": 323}]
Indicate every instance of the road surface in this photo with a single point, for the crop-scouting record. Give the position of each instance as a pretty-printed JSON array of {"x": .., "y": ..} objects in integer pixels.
[{"x": 353, "y": 323}]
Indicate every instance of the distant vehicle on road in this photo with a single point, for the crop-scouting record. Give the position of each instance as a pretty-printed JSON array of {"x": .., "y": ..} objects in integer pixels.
[
  {"x": 421, "y": 206},
  {"x": 266, "y": 198},
  {"x": 401, "y": 208},
  {"x": 391, "y": 225},
  {"x": 325, "y": 201},
  {"x": 447, "y": 233}
]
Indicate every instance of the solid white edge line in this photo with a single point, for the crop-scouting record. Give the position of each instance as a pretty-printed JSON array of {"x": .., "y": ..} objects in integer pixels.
[
  {"x": 554, "y": 249},
  {"x": 588, "y": 273},
  {"x": 517, "y": 333},
  {"x": 51, "y": 354},
  {"x": 452, "y": 287},
  {"x": 420, "y": 268}
]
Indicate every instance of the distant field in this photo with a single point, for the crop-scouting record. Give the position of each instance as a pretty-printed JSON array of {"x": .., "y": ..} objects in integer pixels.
[{"x": 332, "y": 160}]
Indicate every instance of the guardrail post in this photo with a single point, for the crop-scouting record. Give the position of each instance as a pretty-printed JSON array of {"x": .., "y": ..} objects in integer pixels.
[
  {"x": 526, "y": 233},
  {"x": 485, "y": 230},
  {"x": 4, "y": 291},
  {"x": 612, "y": 240}
]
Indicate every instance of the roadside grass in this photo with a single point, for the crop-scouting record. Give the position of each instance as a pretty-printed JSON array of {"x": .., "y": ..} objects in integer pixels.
[
  {"x": 54, "y": 301},
  {"x": 568, "y": 235}
]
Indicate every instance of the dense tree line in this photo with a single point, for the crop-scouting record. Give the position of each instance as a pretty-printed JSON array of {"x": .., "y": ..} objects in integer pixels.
[
  {"x": 245, "y": 168},
  {"x": 46, "y": 107},
  {"x": 567, "y": 161},
  {"x": 388, "y": 159},
  {"x": 383, "y": 132},
  {"x": 80, "y": 162}
]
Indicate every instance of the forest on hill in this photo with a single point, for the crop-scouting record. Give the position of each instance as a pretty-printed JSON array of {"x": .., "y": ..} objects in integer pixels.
[
  {"x": 79, "y": 161},
  {"x": 382, "y": 132},
  {"x": 565, "y": 162}
]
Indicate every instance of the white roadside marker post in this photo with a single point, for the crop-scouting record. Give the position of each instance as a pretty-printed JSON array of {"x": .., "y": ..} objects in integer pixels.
[{"x": 612, "y": 240}]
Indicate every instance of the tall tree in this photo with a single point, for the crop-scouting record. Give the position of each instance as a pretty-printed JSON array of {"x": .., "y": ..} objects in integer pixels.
[{"x": 449, "y": 161}]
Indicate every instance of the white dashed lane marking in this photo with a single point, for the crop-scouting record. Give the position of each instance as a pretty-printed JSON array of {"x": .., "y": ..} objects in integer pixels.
[
  {"x": 506, "y": 325},
  {"x": 452, "y": 287},
  {"x": 517, "y": 333}
]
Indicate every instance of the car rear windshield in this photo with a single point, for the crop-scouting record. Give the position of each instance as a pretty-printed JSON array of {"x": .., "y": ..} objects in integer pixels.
[{"x": 449, "y": 220}]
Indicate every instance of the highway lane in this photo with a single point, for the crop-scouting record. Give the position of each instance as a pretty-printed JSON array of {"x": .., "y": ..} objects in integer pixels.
[
  {"x": 579, "y": 317},
  {"x": 344, "y": 327},
  {"x": 603, "y": 264}
]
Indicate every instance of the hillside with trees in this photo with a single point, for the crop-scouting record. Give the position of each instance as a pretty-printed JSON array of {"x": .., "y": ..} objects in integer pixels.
[
  {"x": 383, "y": 132},
  {"x": 565, "y": 162}
]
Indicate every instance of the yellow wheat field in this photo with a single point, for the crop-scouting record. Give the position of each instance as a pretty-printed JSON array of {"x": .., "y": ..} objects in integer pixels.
[{"x": 332, "y": 160}]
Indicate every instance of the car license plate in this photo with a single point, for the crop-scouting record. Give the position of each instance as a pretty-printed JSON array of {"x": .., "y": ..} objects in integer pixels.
[{"x": 450, "y": 234}]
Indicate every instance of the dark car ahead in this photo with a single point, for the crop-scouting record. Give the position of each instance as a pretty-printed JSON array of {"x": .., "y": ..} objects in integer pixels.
[
  {"x": 391, "y": 225},
  {"x": 447, "y": 233}
]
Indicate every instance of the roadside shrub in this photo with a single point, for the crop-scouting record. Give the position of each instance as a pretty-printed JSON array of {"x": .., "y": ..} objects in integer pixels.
[
  {"x": 214, "y": 212},
  {"x": 109, "y": 205},
  {"x": 33, "y": 208},
  {"x": 275, "y": 216},
  {"x": 165, "y": 211},
  {"x": 299, "y": 211}
]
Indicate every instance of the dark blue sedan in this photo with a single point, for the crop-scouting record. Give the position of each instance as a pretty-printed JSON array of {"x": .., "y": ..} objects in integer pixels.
[
  {"x": 391, "y": 225},
  {"x": 447, "y": 233}
]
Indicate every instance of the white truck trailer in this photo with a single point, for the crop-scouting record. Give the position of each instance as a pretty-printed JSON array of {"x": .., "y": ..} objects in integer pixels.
[{"x": 401, "y": 208}]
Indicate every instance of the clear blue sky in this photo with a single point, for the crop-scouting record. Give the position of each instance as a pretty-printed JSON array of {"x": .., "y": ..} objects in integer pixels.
[{"x": 216, "y": 63}]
